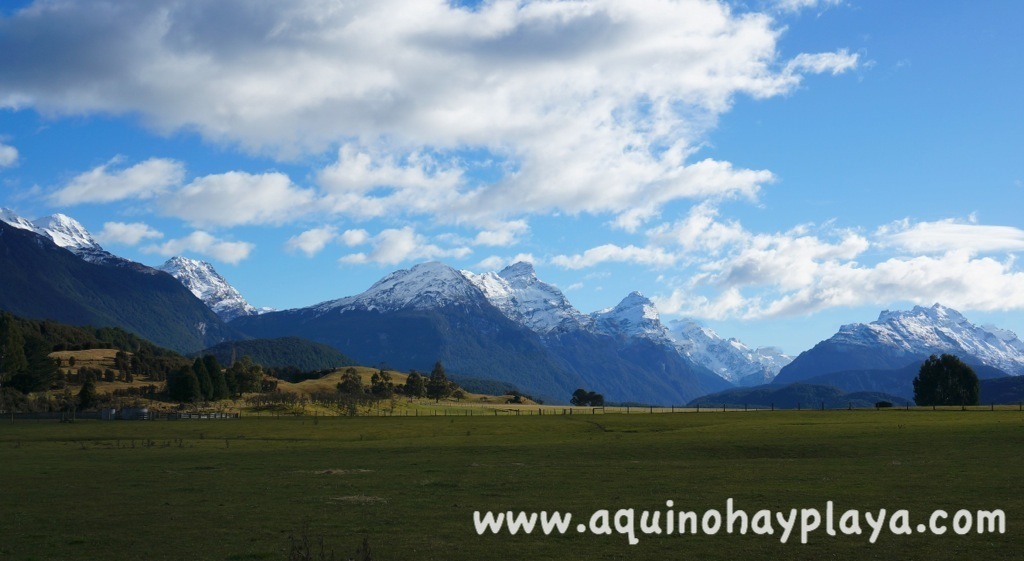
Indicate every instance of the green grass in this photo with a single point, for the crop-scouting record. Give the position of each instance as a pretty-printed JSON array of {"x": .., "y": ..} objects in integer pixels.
[{"x": 238, "y": 489}]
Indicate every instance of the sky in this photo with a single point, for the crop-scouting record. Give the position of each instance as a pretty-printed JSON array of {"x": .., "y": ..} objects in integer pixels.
[{"x": 773, "y": 169}]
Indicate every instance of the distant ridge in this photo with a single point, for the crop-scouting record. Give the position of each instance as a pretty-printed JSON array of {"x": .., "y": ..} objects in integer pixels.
[{"x": 281, "y": 352}]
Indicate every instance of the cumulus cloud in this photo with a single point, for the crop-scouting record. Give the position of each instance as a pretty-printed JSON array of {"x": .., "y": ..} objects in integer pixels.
[
  {"x": 355, "y": 237},
  {"x": 126, "y": 233},
  {"x": 393, "y": 246},
  {"x": 585, "y": 107},
  {"x": 204, "y": 243},
  {"x": 807, "y": 269},
  {"x": 108, "y": 183},
  {"x": 236, "y": 198},
  {"x": 312, "y": 241},
  {"x": 8, "y": 155},
  {"x": 504, "y": 234}
]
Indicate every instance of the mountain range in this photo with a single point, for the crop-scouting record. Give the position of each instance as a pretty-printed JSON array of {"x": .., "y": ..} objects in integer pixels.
[
  {"x": 41, "y": 280},
  {"x": 507, "y": 326}
]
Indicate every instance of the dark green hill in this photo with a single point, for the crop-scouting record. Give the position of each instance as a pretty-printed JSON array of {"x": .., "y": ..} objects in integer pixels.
[
  {"x": 794, "y": 396},
  {"x": 42, "y": 281},
  {"x": 26, "y": 344},
  {"x": 1007, "y": 390},
  {"x": 300, "y": 353},
  {"x": 473, "y": 340}
]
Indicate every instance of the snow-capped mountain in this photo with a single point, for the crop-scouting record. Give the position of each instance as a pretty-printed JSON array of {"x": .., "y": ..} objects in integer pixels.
[
  {"x": 424, "y": 286},
  {"x": 729, "y": 358},
  {"x": 41, "y": 280},
  {"x": 634, "y": 316},
  {"x": 66, "y": 232},
  {"x": 209, "y": 286},
  {"x": 898, "y": 338},
  {"x": 938, "y": 328},
  {"x": 527, "y": 300},
  {"x": 9, "y": 216}
]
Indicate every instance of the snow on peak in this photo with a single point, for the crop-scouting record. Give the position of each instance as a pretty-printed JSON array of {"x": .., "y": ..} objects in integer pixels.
[
  {"x": 9, "y": 216},
  {"x": 66, "y": 232},
  {"x": 424, "y": 286},
  {"x": 209, "y": 286},
  {"x": 729, "y": 358},
  {"x": 924, "y": 331},
  {"x": 527, "y": 300},
  {"x": 634, "y": 316}
]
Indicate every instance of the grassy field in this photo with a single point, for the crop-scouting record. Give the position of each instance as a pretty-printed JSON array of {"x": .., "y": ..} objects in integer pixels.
[{"x": 238, "y": 490}]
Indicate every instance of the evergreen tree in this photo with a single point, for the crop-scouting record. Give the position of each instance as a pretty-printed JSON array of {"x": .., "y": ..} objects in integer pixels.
[
  {"x": 205, "y": 383},
  {"x": 12, "y": 347},
  {"x": 217, "y": 379},
  {"x": 438, "y": 386},
  {"x": 40, "y": 371},
  {"x": 87, "y": 396},
  {"x": 946, "y": 380},
  {"x": 183, "y": 386},
  {"x": 415, "y": 386}
]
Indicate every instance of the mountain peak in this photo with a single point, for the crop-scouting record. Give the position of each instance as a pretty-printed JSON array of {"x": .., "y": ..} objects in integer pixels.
[
  {"x": 14, "y": 219},
  {"x": 423, "y": 286},
  {"x": 527, "y": 300},
  {"x": 729, "y": 358},
  {"x": 635, "y": 315},
  {"x": 922, "y": 331},
  {"x": 209, "y": 286},
  {"x": 66, "y": 232},
  {"x": 519, "y": 273}
]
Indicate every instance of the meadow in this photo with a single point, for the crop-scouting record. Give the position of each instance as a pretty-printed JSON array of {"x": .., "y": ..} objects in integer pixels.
[{"x": 244, "y": 489}]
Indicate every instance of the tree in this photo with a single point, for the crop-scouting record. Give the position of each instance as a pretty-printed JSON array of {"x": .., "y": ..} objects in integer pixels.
[
  {"x": 87, "y": 396},
  {"x": 583, "y": 398},
  {"x": 217, "y": 379},
  {"x": 438, "y": 386},
  {"x": 205, "y": 383},
  {"x": 183, "y": 386},
  {"x": 351, "y": 383},
  {"x": 40, "y": 371},
  {"x": 415, "y": 386},
  {"x": 12, "y": 347},
  {"x": 381, "y": 385},
  {"x": 245, "y": 376},
  {"x": 946, "y": 380}
]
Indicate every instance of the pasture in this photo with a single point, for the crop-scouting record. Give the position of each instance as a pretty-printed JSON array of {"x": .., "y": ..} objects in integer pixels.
[{"x": 241, "y": 489}]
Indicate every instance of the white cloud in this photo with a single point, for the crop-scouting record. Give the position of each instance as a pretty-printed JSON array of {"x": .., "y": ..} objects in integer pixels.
[
  {"x": 205, "y": 244},
  {"x": 126, "y": 233},
  {"x": 8, "y": 155},
  {"x": 585, "y": 107},
  {"x": 951, "y": 235},
  {"x": 611, "y": 253},
  {"x": 818, "y": 63},
  {"x": 394, "y": 246},
  {"x": 312, "y": 241},
  {"x": 496, "y": 263},
  {"x": 236, "y": 198},
  {"x": 797, "y": 5},
  {"x": 355, "y": 237},
  {"x": 504, "y": 234},
  {"x": 103, "y": 184},
  {"x": 807, "y": 270}
]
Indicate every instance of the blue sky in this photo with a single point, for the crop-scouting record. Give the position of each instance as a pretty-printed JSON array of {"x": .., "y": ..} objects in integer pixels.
[{"x": 773, "y": 169}]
